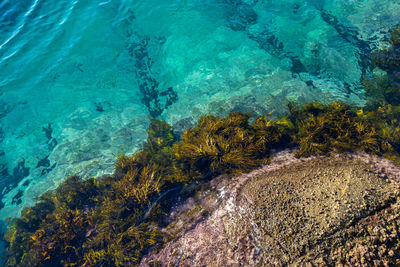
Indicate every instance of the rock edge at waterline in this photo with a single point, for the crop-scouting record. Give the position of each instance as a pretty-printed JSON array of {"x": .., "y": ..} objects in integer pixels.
[{"x": 341, "y": 209}]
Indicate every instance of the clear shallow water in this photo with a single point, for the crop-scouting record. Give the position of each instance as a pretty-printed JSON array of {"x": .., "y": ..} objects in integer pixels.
[{"x": 79, "y": 78}]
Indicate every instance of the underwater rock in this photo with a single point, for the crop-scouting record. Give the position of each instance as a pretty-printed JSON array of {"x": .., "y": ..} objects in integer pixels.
[
  {"x": 324, "y": 210},
  {"x": 267, "y": 41},
  {"x": 10, "y": 181},
  {"x": 385, "y": 85},
  {"x": 243, "y": 15},
  {"x": 350, "y": 34},
  {"x": 51, "y": 141},
  {"x": 389, "y": 60},
  {"x": 180, "y": 126}
]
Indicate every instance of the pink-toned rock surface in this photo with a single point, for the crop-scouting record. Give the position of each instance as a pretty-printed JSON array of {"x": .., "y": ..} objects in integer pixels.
[{"x": 290, "y": 212}]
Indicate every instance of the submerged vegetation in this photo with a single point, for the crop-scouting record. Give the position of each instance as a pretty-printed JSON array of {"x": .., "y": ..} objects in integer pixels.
[
  {"x": 386, "y": 88},
  {"x": 114, "y": 220},
  {"x": 218, "y": 145},
  {"x": 339, "y": 128}
]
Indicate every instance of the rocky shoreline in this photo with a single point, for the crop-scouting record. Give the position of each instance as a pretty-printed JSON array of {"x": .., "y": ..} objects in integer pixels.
[{"x": 334, "y": 210}]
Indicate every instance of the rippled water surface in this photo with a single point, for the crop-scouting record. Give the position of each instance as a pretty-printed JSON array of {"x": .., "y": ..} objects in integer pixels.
[{"x": 79, "y": 78}]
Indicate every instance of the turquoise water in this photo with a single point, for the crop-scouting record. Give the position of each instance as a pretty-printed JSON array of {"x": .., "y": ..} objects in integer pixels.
[{"x": 79, "y": 78}]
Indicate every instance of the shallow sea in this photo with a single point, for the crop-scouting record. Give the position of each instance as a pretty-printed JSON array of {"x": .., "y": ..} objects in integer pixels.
[{"x": 79, "y": 78}]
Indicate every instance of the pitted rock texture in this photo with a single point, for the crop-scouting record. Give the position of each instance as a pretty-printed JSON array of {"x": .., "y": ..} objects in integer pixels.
[{"x": 341, "y": 210}]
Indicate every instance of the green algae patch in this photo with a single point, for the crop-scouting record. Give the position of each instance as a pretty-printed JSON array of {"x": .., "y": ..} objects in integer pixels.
[
  {"x": 115, "y": 219},
  {"x": 97, "y": 221},
  {"x": 217, "y": 146},
  {"x": 322, "y": 129},
  {"x": 385, "y": 89}
]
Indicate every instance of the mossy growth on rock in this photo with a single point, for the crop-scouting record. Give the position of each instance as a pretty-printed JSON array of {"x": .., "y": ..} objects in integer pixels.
[
  {"x": 96, "y": 222},
  {"x": 113, "y": 220},
  {"x": 389, "y": 59},
  {"x": 322, "y": 129},
  {"x": 54, "y": 227},
  {"x": 216, "y": 145}
]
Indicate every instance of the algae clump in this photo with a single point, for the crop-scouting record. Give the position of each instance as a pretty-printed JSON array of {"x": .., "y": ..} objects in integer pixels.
[
  {"x": 386, "y": 88},
  {"x": 338, "y": 128},
  {"x": 115, "y": 220},
  {"x": 217, "y": 145}
]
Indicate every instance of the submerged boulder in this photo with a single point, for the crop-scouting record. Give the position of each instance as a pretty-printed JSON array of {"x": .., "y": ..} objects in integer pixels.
[{"x": 322, "y": 210}]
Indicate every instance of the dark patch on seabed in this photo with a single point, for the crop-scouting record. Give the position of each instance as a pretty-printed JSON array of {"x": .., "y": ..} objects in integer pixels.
[
  {"x": 17, "y": 198},
  {"x": 10, "y": 181},
  {"x": 267, "y": 41},
  {"x": 241, "y": 16},
  {"x": 44, "y": 163},
  {"x": 153, "y": 97},
  {"x": 101, "y": 106},
  {"x": 350, "y": 35},
  {"x": 51, "y": 141},
  {"x": 6, "y": 108}
]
